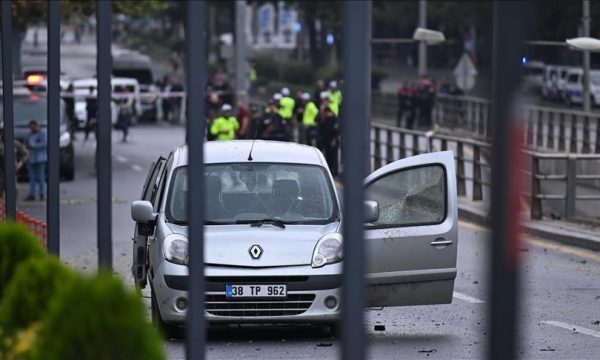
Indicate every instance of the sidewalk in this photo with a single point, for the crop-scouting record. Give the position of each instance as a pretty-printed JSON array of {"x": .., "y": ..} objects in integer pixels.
[{"x": 564, "y": 232}]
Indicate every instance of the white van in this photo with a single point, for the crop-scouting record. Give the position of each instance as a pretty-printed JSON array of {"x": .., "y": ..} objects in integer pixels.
[
  {"x": 574, "y": 87},
  {"x": 81, "y": 89}
]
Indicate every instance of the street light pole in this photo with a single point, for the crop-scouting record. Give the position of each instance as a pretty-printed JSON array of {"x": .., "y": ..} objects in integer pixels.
[
  {"x": 585, "y": 22},
  {"x": 241, "y": 63},
  {"x": 422, "y": 45}
]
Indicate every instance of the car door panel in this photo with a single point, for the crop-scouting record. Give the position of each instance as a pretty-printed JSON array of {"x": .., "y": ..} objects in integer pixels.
[
  {"x": 139, "y": 266},
  {"x": 411, "y": 248}
]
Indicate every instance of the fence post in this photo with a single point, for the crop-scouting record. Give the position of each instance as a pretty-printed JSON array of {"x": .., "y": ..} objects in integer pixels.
[
  {"x": 529, "y": 125},
  {"x": 539, "y": 139},
  {"x": 550, "y": 135},
  {"x": 536, "y": 202},
  {"x": 377, "y": 150},
  {"x": 415, "y": 144},
  {"x": 561, "y": 133},
  {"x": 444, "y": 144},
  {"x": 571, "y": 190},
  {"x": 573, "y": 139},
  {"x": 461, "y": 187},
  {"x": 585, "y": 147},
  {"x": 402, "y": 145},
  {"x": 477, "y": 183},
  {"x": 390, "y": 147}
]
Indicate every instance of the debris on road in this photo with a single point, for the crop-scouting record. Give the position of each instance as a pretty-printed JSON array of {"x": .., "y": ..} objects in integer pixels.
[
  {"x": 548, "y": 349},
  {"x": 379, "y": 327},
  {"x": 324, "y": 344}
]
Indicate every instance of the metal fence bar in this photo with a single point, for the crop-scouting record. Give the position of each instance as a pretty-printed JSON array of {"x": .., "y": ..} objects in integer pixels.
[
  {"x": 7, "y": 98},
  {"x": 53, "y": 204},
  {"x": 571, "y": 187},
  {"x": 195, "y": 67},
  {"x": 357, "y": 70},
  {"x": 104, "y": 132},
  {"x": 508, "y": 35}
]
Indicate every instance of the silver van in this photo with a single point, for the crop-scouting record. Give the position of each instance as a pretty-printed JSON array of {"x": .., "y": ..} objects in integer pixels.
[{"x": 273, "y": 243}]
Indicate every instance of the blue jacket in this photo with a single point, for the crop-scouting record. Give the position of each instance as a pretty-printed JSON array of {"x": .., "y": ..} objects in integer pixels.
[{"x": 37, "y": 144}]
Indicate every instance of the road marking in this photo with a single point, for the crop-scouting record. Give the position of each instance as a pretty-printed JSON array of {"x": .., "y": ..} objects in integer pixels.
[
  {"x": 576, "y": 328},
  {"x": 137, "y": 168},
  {"x": 565, "y": 249},
  {"x": 121, "y": 159},
  {"x": 467, "y": 298}
]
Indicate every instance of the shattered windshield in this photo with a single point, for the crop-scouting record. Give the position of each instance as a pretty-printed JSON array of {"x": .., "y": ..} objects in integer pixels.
[{"x": 243, "y": 192}]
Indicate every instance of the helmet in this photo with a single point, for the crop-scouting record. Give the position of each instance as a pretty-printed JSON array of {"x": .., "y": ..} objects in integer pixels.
[
  {"x": 277, "y": 96},
  {"x": 333, "y": 84},
  {"x": 285, "y": 92},
  {"x": 306, "y": 96},
  {"x": 226, "y": 107},
  {"x": 324, "y": 95}
]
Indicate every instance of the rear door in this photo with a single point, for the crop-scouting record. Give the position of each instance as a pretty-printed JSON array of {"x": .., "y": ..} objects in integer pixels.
[
  {"x": 140, "y": 240},
  {"x": 412, "y": 246}
]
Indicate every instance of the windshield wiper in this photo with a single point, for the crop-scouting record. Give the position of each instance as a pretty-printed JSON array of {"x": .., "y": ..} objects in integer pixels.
[{"x": 261, "y": 222}]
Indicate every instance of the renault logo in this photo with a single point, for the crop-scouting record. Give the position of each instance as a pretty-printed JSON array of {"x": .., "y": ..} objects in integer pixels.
[{"x": 255, "y": 251}]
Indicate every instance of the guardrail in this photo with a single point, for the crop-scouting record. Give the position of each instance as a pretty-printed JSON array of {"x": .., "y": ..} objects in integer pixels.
[
  {"x": 473, "y": 169},
  {"x": 546, "y": 128}
]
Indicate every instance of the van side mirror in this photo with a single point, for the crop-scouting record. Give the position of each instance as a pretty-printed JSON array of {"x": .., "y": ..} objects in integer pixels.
[
  {"x": 142, "y": 212},
  {"x": 371, "y": 209}
]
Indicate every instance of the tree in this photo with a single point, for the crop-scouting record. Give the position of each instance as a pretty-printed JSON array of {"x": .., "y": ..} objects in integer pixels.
[{"x": 27, "y": 13}]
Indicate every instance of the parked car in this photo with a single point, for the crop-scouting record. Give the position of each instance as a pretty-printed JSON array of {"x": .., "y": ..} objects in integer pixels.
[
  {"x": 574, "y": 87},
  {"x": 533, "y": 76},
  {"x": 273, "y": 242},
  {"x": 131, "y": 64},
  {"x": 555, "y": 79},
  {"x": 32, "y": 106},
  {"x": 81, "y": 89}
]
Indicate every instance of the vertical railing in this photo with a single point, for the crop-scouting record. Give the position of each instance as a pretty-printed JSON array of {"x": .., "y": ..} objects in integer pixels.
[
  {"x": 7, "y": 95},
  {"x": 571, "y": 188},
  {"x": 195, "y": 67},
  {"x": 357, "y": 65},
  {"x": 104, "y": 146},
  {"x": 53, "y": 201}
]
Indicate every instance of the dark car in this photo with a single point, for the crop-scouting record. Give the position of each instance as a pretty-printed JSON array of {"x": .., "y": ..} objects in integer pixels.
[{"x": 35, "y": 107}]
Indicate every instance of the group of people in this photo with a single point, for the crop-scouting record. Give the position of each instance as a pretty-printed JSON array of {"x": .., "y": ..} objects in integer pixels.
[
  {"x": 311, "y": 120},
  {"x": 415, "y": 104}
]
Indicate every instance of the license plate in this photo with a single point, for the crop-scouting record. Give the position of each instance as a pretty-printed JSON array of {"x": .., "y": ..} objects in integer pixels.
[{"x": 263, "y": 291}]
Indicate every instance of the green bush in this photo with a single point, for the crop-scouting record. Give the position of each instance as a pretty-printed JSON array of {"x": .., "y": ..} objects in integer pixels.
[
  {"x": 291, "y": 72},
  {"x": 30, "y": 292},
  {"x": 97, "y": 318},
  {"x": 17, "y": 244}
]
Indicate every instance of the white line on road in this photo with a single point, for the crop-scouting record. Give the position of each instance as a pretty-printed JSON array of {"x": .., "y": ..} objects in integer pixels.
[
  {"x": 576, "y": 328},
  {"x": 137, "y": 168},
  {"x": 121, "y": 159},
  {"x": 467, "y": 298}
]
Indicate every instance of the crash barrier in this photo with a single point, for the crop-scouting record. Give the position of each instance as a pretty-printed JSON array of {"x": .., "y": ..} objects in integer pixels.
[
  {"x": 560, "y": 177},
  {"x": 37, "y": 227},
  {"x": 546, "y": 128}
]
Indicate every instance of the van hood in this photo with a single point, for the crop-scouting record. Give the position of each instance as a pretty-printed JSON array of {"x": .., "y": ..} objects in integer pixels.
[{"x": 229, "y": 245}]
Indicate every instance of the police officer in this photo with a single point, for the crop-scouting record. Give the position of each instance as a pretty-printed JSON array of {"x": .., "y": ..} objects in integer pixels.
[
  {"x": 309, "y": 120},
  {"x": 335, "y": 97},
  {"x": 273, "y": 127},
  {"x": 286, "y": 110},
  {"x": 225, "y": 126},
  {"x": 329, "y": 131}
]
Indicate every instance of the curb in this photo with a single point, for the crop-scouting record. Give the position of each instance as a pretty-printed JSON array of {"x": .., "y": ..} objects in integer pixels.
[{"x": 572, "y": 234}]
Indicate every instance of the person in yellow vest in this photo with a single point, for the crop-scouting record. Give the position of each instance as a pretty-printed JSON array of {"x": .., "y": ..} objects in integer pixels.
[
  {"x": 309, "y": 120},
  {"x": 286, "y": 111},
  {"x": 225, "y": 126},
  {"x": 335, "y": 97}
]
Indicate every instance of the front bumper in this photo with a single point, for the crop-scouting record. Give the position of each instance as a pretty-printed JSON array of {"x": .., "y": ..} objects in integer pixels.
[{"x": 308, "y": 290}]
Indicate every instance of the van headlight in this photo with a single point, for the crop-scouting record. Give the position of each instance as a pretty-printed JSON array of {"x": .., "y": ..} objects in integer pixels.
[
  {"x": 328, "y": 250},
  {"x": 175, "y": 249},
  {"x": 65, "y": 139}
]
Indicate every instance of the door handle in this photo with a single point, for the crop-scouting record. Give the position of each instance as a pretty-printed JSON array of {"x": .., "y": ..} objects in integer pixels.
[{"x": 441, "y": 242}]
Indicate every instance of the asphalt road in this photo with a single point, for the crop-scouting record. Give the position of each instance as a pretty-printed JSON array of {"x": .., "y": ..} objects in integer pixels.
[{"x": 560, "y": 311}]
